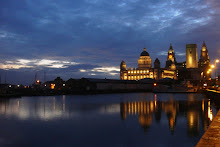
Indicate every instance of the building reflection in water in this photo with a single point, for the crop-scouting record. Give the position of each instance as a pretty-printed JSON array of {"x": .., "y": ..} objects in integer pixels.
[{"x": 193, "y": 110}]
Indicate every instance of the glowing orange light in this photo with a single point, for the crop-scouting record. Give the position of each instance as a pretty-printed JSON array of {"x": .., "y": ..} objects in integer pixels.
[
  {"x": 155, "y": 84},
  {"x": 217, "y": 61},
  {"x": 52, "y": 86},
  {"x": 38, "y": 81},
  {"x": 212, "y": 66}
]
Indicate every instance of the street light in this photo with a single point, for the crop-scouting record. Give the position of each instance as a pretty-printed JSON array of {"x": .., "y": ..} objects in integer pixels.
[{"x": 216, "y": 61}]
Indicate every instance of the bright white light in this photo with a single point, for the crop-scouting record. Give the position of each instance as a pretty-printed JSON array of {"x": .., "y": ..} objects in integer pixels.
[
  {"x": 113, "y": 74},
  {"x": 57, "y": 66},
  {"x": 13, "y": 66},
  {"x": 105, "y": 69},
  {"x": 46, "y": 62},
  {"x": 82, "y": 70},
  {"x": 24, "y": 61},
  {"x": 92, "y": 74}
]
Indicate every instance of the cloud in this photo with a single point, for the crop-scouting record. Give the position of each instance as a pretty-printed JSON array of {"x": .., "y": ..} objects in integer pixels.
[
  {"x": 96, "y": 33},
  {"x": 36, "y": 63}
]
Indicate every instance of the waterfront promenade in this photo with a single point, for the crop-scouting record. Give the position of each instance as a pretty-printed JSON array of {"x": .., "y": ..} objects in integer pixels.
[{"x": 211, "y": 138}]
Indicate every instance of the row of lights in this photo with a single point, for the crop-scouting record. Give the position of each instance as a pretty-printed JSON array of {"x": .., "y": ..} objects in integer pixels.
[
  {"x": 213, "y": 66},
  {"x": 134, "y": 71}
]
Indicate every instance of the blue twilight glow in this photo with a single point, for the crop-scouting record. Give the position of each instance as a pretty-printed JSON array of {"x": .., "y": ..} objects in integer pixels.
[{"x": 89, "y": 38}]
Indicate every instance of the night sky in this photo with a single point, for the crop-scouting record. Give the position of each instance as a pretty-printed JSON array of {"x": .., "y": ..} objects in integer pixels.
[{"x": 89, "y": 38}]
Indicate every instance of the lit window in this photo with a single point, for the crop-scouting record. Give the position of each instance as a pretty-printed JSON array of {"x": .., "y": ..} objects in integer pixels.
[{"x": 52, "y": 86}]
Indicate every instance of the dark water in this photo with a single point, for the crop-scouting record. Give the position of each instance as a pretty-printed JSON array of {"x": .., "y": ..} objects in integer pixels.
[{"x": 133, "y": 119}]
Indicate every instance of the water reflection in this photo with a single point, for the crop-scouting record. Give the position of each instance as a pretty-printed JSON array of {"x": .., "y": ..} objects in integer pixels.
[
  {"x": 192, "y": 110},
  {"x": 50, "y": 108},
  {"x": 188, "y": 110}
]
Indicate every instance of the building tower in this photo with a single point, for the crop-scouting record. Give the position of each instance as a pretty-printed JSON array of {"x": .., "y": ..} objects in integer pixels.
[
  {"x": 171, "y": 60},
  {"x": 123, "y": 75},
  {"x": 144, "y": 62},
  {"x": 157, "y": 64},
  {"x": 157, "y": 70},
  {"x": 191, "y": 56},
  {"x": 204, "y": 61}
]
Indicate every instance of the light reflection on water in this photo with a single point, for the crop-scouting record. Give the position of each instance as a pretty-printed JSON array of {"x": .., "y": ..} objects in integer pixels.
[{"x": 119, "y": 119}]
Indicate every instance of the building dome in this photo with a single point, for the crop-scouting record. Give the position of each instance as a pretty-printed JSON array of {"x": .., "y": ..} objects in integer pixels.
[
  {"x": 123, "y": 65},
  {"x": 144, "y": 53}
]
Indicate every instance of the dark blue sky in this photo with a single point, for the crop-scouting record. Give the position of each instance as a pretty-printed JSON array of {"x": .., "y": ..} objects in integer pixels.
[{"x": 89, "y": 38}]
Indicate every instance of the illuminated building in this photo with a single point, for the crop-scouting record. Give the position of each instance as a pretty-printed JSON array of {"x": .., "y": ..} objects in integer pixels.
[
  {"x": 171, "y": 60},
  {"x": 191, "y": 56},
  {"x": 191, "y": 72},
  {"x": 192, "y": 111},
  {"x": 145, "y": 69},
  {"x": 204, "y": 61},
  {"x": 144, "y": 62}
]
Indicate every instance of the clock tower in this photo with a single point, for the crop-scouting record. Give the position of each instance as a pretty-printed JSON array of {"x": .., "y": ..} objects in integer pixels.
[{"x": 170, "y": 57}]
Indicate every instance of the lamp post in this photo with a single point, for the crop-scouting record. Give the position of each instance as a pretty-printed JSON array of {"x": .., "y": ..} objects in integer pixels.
[{"x": 216, "y": 61}]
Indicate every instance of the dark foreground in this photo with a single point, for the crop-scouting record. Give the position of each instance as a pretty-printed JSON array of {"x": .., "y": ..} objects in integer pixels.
[{"x": 133, "y": 119}]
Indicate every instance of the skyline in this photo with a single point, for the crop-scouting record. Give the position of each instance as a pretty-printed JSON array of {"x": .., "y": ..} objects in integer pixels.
[{"x": 90, "y": 38}]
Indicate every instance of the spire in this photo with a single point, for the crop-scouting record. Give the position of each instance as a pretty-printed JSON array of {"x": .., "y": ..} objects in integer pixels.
[
  {"x": 203, "y": 44},
  {"x": 171, "y": 47},
  {"x": 145, "y": 49}
]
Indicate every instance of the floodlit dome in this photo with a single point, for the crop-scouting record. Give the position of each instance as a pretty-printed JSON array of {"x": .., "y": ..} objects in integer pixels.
[{"x": 144, "y": 53}]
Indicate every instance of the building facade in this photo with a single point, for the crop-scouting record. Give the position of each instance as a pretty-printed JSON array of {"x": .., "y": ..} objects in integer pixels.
[
  {"x": 171, "y": 59},
  {"x": 190, "y": 70},
  {"x": 191, "y": 56},
  {"x": 145, "y": 69},
  {"x": 204, "y": 62}
]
